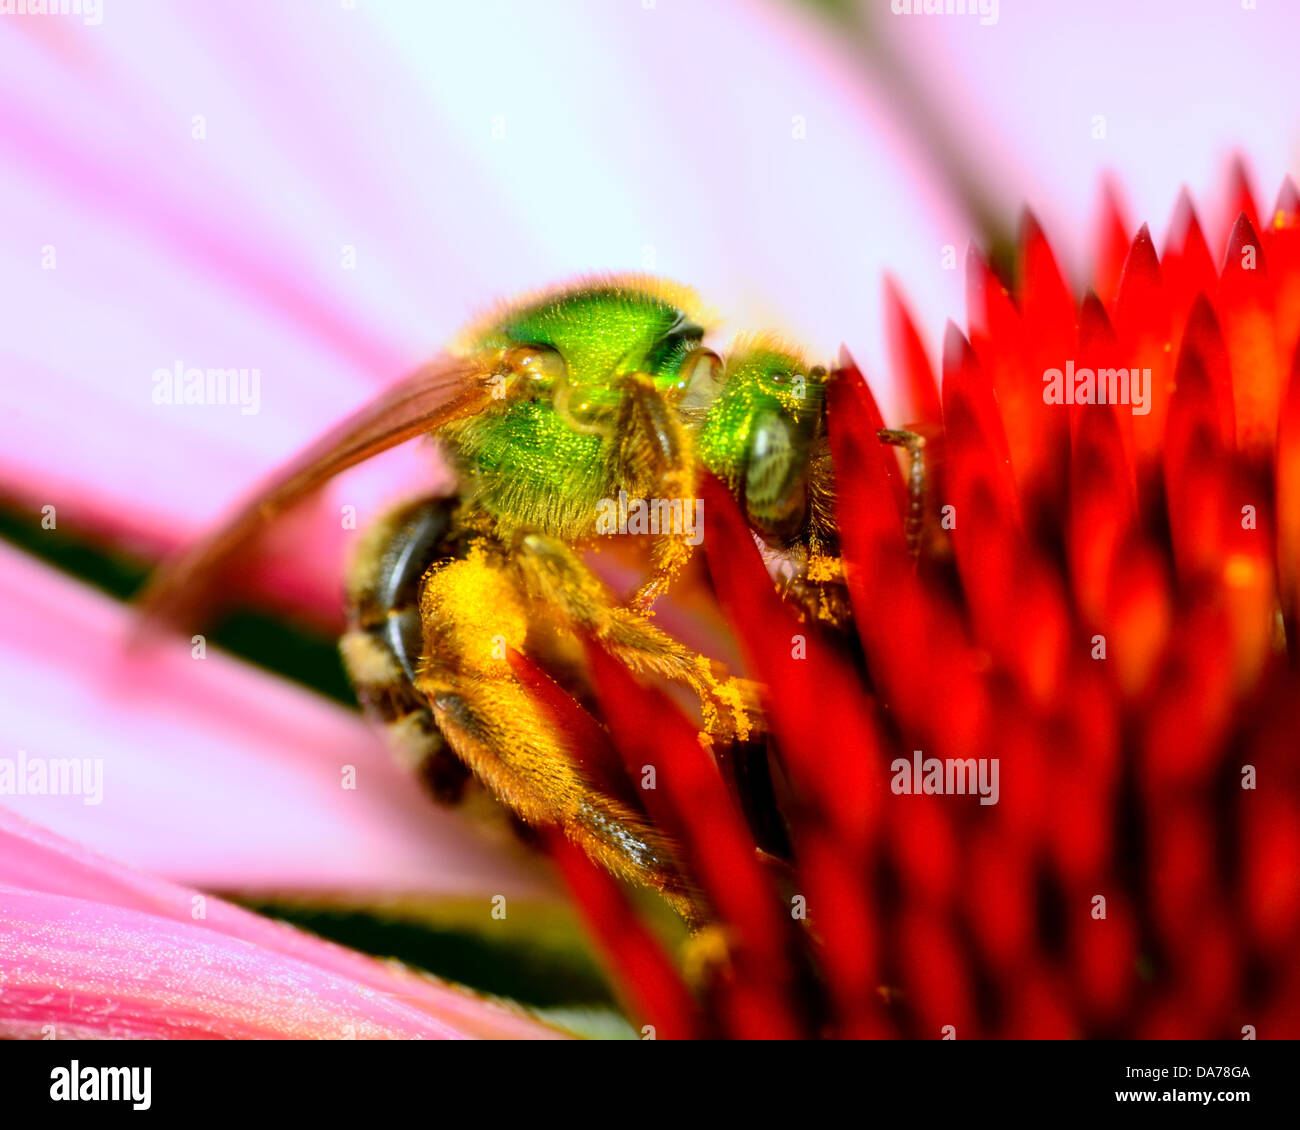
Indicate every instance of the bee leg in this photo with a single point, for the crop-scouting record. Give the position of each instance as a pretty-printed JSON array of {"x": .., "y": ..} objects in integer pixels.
[
  {"x": 553, "y": 573},
  {"x": 654, "y": 460},
  {"x": 473, "y": 616},
  {"x": 817, "y": 588},
  {"x": 917, "y": 483},
  {"x": 382, "y": 644}
]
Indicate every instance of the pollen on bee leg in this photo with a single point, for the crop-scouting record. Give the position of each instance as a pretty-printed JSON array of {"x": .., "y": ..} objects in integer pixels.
[
  {"x": 731, "y": 693},
  {"x": 723, "y": 702},
  {"x": 478, "y": 611},
  {"x": 822, "y": 569}
]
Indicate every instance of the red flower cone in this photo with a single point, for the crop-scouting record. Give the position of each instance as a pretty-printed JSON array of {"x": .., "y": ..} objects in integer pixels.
[{"x": 1108, "y": 610}]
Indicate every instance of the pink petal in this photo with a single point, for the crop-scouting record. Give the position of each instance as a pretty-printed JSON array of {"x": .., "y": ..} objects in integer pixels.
[
  {"x": 89, "y": 949},
  {"x": 1178, "y": 92},
  {"x": 217, "y": 774}
]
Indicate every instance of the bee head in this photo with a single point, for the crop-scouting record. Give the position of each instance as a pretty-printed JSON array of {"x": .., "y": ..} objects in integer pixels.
[{"x": 760, "y": 429}]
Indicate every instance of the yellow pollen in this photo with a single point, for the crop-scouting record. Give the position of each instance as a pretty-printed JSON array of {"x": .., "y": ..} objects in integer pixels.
[
  {"x": 822, "y": 569},
  {"x": 482, "y": 613},
  {"x": 1240, "y": 571},
  {"x": 729, "y": 693}
]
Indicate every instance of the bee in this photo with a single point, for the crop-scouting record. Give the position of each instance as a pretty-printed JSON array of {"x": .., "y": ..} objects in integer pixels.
[{"x": 547, "y": 410}]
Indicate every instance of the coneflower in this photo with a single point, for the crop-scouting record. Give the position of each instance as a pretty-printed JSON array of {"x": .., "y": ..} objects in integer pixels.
[{"x": 1092, "y": 629}]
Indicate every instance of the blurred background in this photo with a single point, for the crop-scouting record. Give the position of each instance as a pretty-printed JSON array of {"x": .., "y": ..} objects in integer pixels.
[{"x": 324, "y": 191}]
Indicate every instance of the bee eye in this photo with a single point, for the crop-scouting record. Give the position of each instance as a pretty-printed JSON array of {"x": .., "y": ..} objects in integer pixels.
[
  {"x": 539, "y": 364},
  {"x": 776, "y": 474},
  {"x": 699, "y": 379}
]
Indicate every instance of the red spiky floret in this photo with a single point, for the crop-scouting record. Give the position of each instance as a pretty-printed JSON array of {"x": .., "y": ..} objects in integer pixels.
[{"x": 1111, "y": 611}]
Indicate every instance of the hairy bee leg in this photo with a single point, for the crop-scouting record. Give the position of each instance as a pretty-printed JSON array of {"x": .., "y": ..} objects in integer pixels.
[
  {"x": 501, "y": 734},
  {"x": 821, "y": 591},
  {"x": 810, "y": 580},
  {"x": 553, "y": 573},
  {"x": 917, "y": 482},
  {"x": 473, "y": 616},
  {"x": 650, "y": 437},
  {"x": 382, "y": 644}
]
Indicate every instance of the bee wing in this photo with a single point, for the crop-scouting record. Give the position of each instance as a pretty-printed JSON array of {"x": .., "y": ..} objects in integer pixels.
[{"x": 446, "y": 389}]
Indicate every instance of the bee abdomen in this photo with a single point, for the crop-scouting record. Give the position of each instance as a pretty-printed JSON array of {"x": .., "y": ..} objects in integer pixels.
[{"x": 384, "y": 639}]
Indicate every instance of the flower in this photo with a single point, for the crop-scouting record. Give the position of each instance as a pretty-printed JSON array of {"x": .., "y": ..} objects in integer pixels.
[
  {"x": 1108, "y": 621},
  {"x": 196, "y": 206},
  {"x": 215, "y": 771},
  {"x": 91, "y": 949}
]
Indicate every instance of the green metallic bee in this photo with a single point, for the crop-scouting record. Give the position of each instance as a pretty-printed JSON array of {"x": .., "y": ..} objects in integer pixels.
[{"x": 549, "y": 411}]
